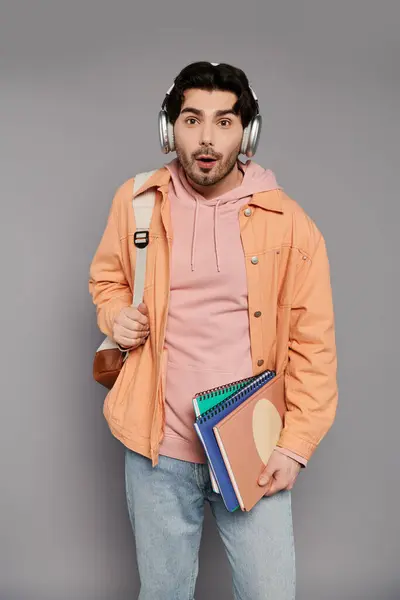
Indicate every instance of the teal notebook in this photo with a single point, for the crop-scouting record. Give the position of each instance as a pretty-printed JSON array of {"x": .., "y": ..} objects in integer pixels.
[{"x": 208, "y": 399}]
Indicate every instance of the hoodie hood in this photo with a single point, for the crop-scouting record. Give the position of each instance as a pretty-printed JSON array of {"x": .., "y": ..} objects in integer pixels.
[{"x": 255, "y": 179}]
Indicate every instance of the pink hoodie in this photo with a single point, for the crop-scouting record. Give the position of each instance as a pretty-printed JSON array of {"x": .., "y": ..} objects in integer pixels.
[{"x": 207, "y": 335}]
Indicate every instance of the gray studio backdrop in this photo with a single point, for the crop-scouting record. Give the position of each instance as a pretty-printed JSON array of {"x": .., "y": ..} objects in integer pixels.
[{"x": 81, "y": 86}]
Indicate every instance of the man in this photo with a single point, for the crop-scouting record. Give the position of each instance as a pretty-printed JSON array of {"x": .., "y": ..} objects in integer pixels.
[{"x": 237, "y": 281}]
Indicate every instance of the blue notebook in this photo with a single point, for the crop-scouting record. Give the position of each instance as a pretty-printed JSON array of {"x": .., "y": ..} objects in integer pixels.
[{"x": 204, "y": 428}]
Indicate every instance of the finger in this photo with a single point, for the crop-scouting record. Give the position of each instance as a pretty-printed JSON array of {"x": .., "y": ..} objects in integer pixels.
[
  {"x": 275, "y": 488},
  {"x": 277, "y": 484},
  {"x": 133, "y": 325},
  {"x": 128, "y": 343},
  {"x": 138, "y": 317},
  {"x": 268, "y": 472},
  {"x": 142, "y": 308},
  {"x": 132, "y": 336},
  {"x": 266, "y": 477},
  {"x": 131, "y": 313},
  {"x": 140, "y": 326}
]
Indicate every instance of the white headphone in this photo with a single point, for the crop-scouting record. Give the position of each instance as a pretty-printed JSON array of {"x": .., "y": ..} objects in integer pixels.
[{"x": 250, "y": 138}]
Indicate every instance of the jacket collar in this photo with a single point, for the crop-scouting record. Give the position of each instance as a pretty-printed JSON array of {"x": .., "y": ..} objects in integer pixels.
[{"x": 269, "y": 200}]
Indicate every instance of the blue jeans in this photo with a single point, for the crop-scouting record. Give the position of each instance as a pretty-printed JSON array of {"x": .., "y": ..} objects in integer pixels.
[{"x": 166, "y": 509}]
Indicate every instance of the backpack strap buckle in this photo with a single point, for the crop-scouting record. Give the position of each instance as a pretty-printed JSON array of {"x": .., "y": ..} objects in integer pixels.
[{"x": 141, "y": 238}]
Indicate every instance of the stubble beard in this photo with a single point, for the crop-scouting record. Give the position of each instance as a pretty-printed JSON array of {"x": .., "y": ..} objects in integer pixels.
[{"x": 219, "y": 172}]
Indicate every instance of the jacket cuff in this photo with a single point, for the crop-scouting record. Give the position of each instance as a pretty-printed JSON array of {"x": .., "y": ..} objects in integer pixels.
[
  {"x": 296, "y": 444},
  {"x": 300, "y": 459}
]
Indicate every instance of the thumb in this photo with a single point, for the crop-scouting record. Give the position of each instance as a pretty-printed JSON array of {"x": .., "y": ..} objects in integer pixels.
[
  {"x": 143, "y": 309},
  {"x": 265, "y": 476}
]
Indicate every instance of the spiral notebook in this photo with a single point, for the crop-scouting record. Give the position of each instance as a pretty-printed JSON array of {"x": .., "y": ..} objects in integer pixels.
[
  {"x": 247, "y": 437},
  {"x": 204, "y": 427},
  {"x": 208, "y": 399}
]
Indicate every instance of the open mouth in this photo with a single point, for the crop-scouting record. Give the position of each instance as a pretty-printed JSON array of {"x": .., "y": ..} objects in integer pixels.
[{"x": 206, "y": 162}]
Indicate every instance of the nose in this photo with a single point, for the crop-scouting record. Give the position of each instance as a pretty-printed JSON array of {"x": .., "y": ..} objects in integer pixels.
[{"x": 206, "y": 135}]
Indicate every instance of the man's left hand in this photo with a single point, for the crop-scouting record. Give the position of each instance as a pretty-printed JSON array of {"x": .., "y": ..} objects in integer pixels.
[{"x": 279, "y": 474}]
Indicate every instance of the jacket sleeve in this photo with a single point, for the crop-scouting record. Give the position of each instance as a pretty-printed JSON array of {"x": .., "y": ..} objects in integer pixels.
[
  {"x": 311, "y": 383},
  {"x": 108, "y": 284}
]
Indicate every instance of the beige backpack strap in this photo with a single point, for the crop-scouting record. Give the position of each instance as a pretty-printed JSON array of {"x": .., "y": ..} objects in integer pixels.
[{"x": 143, "y": 209}]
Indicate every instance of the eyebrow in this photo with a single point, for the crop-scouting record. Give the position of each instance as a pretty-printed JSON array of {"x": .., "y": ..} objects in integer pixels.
[{"x": 218, "y": 113}]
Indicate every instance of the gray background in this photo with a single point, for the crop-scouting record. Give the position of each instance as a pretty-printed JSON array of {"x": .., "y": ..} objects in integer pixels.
[{"x": 81, "y": 86}]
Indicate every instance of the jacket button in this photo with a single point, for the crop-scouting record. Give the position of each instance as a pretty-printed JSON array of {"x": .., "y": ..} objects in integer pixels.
[
  {"x": 254, "y": 260},
  {"x": 260, "y": 362},
  {"x": 257, "y": 313},
  {"x": 247, "y": 212}
]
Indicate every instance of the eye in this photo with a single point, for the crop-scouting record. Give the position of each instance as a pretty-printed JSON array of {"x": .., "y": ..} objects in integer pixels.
[
  {"x": 227, "y": 121},
  {"x": 190, "y": 119}
]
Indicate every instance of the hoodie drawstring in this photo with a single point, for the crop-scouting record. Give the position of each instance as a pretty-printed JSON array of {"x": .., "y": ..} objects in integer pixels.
[
  {"x": 254, "y": 179},
  {"x": 215, "y": 234},
  {"x": 194, "y": 233}
]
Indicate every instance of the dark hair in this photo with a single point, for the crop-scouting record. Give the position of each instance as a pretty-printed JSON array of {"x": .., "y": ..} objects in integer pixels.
[{"x": 203, "y": 75}]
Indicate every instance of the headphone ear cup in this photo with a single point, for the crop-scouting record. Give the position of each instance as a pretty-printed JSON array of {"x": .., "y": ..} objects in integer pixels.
[
  {"x": 163, "y": 131},
  {"x": 245, "y": 139},
  {"x": 251, "y": 136},
  {"x": 171, "y": 137}
]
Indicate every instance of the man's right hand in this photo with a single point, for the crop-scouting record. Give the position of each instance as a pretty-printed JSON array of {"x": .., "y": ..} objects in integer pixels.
[{"x": 131, "y": 327}]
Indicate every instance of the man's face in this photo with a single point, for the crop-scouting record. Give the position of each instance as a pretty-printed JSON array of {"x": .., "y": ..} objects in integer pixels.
[{"x": 207, "y": 126}]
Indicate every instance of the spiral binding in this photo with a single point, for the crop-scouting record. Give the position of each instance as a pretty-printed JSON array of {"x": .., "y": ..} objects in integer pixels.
[
  {"x": 254, "y": 385},
  {"x": 207, "y": 394}
]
